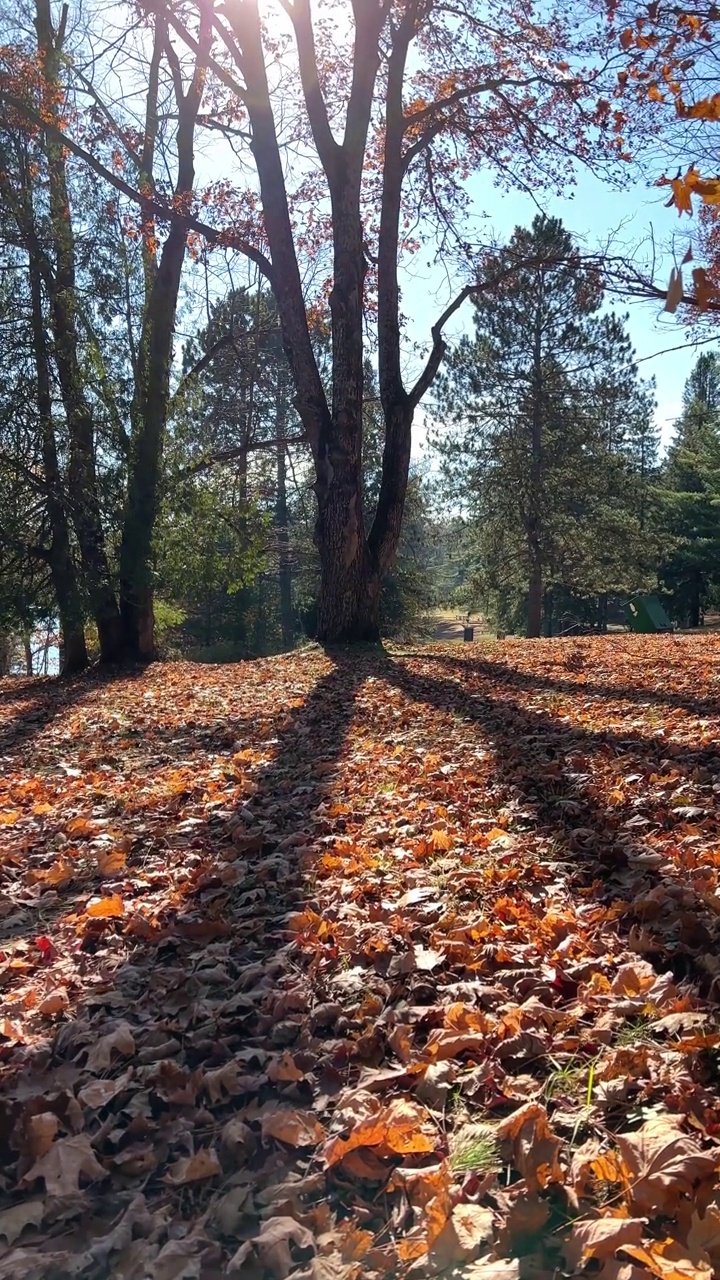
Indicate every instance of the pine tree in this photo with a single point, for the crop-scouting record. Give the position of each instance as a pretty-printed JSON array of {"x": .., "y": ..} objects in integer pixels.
[
  {"x": 542, "y": 412},
  {"x": 690, "y": 495}
]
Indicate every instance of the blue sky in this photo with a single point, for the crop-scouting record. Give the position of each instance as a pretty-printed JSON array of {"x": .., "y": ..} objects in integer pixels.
[{"x": 593, "y": 213}]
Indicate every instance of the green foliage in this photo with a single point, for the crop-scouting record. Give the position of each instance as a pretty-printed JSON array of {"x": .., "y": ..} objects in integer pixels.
[
  {"x": 688, "y": 499},
  {"x": 546, "y": 439}
]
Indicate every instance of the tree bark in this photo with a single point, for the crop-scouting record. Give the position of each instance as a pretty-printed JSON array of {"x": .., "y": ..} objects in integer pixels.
[
  {"x": 535, "y": 601},
  {"x": 85, "y": 505},
  {"x": 60, "y": 559},
  {"x": 534, "y": 529},
  {"x": 287, "y": 625},
  {"x": 152, "y": 379}
]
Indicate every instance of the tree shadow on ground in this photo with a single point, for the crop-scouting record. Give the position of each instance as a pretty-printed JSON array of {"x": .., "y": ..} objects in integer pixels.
[
  {"x": 551, "y": 772},
  {"x": 40, "y": 700},
  {"x": 214, "y": 995},
  {"x": 581, "y": 685}
]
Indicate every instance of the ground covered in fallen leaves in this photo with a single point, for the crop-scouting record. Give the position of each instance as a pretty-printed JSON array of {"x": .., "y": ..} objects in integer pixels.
[{"x": 336, "y": 966}]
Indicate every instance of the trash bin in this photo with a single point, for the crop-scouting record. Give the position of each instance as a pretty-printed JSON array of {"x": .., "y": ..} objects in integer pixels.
[
  {"x": 646, "y": 615},
  {"x": 468, "y": 633}
]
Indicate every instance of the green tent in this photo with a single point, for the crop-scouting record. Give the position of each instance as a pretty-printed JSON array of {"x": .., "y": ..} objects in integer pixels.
[{"x": 646, "y": 614}]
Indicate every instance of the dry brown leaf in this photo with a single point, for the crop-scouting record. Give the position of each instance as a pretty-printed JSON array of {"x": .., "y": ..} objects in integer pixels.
[
  {"x": 296, "y": 1128},
  {"x": 663, "y": 1164},
  {"x": 120, "y": 1041},
  {"x": 703, "y": 1238},
  {"x": 666, "y": 1259},
  {"x": 601, "y": 1238},
  {"x": 40, "y": 1133},
  {"x": 272, "y": 1248},
  {"x": 14, "y": 1220},
  {"x": 97, "y": 1093},
  {"x": 105, "y": 908},
  {"x": 204, "y": 1164},
  {"x": 535, "y": 1146},
  {"x": 55, "y": 1002},
  {"x": 466, "y": 1234},
  {"x": 283, "y": 1069},
  {"x": 56, "y": 876},
  {"x": 402, "y": 1127},
  {"x": 62, "y": 1166},
  {"x": 111, "y": 862}
]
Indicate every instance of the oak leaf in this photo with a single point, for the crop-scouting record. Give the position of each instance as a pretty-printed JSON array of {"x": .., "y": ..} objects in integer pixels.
[
  {"x": 535, "y": 1146},
  {"x": 29, "y": 1213},
  {"x": 467, "y": 1232},
  {"x": 600, "y": 1238}
]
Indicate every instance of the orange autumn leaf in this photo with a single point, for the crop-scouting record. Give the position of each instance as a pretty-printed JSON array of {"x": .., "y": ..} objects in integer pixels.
[
  {"x": 403, "y": 1128},
  {"x": 105, "y": 908}
]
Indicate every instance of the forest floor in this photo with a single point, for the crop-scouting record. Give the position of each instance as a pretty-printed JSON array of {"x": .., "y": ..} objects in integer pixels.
[{"x": 329, "y": 966}]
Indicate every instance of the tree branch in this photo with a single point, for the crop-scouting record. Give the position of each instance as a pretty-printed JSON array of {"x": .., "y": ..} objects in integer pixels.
[{"x": 149, "y": 203}]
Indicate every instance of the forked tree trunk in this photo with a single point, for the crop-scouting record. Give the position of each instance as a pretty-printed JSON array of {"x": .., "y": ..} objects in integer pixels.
[{"x": 85, "y": 508}]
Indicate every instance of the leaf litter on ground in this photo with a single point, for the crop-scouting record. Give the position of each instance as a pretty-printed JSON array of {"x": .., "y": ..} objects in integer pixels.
[{"x": 328, "y": 966}]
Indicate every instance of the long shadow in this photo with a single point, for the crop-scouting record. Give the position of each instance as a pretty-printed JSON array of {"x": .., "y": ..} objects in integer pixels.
[
  {"x": 527, "y": 680},
  {"x": 228, "y": 1027},
  {"x": 546, "y": 767},
  {"x": 43, "y": 699},
  {"x": 210, "y": 986}
]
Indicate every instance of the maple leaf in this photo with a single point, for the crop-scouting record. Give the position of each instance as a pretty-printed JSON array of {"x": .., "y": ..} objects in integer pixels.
[
  {"x": 296, "y": 1128},
  {"x": 663, "y": 1164},
  {"x": 402, "y": 1127},
  {"x": 600, "y": 1238},
  {"x": 63, "y": 1165},
  {"x": 535, "y": 1146}
]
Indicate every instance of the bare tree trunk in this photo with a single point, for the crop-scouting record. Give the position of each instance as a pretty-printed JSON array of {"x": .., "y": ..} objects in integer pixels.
[
  {"x": 535, "y": 601},
  {"x": 60, "y": 559},
  {"x": 535, "y": 585},
  {"x": 27, "y": 648},
  {"x": 85, "y": 509},
  {"x": 152, "y": 378},
  {"x": 287, "y": 628},
  {"x": 5, "y": 653}
]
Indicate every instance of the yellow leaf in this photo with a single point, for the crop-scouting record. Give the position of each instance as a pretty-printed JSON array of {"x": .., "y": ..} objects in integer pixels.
[
  {"x": 8, "y": 816},
  {"x": 440, "y": 839}
]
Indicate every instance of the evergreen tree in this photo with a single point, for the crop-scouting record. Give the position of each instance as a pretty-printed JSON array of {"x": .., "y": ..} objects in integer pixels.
[
  {"x": 690, "y": 496},
  {"x": 543, "y": 417}
]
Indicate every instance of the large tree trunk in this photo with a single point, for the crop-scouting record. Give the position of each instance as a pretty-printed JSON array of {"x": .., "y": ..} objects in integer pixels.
[
  {"x": 60, "y": 559},
  {"x": 152, "y": 376},
  {"x": 85, "y": 510}
]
